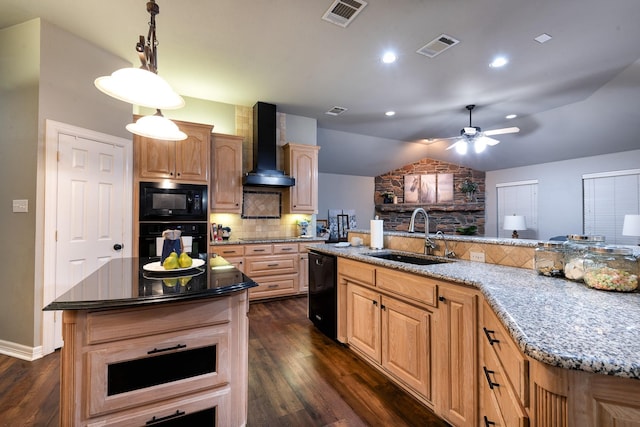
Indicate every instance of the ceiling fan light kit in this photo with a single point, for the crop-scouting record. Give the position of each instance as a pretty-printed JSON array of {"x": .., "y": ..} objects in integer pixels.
[
  {"x": 142, "y": 86},
  {"x": 474, "y": 135}
]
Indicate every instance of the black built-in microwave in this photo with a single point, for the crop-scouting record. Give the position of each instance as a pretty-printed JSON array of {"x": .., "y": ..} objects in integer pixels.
[{"x": 161, "y": 201}]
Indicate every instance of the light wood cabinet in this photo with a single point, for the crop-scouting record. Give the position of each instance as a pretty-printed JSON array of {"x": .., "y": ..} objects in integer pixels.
[
  {"x": 186, "y": 160},
  {"x": 301, "y": 162},
  {"x": 226, "y": 173},
  {"x": 303, "y": 269},
  {"x": 276, "y": 267},
  {"x": 456, "y": 353},
  {"x": 142, "y": 365}
]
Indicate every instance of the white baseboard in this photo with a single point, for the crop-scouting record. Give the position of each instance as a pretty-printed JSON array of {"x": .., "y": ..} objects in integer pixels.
[{"x": 20, "y": 351}]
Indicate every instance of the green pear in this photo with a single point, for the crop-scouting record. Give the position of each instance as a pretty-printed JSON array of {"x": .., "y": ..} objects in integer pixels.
[
  {"x": 170, "y": 282},
  {"x": 171, "y": 262},
  {"x": 184, "y": 260}
]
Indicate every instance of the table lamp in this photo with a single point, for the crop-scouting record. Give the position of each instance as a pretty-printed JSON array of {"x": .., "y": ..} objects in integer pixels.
[
  {"x": 631, "y": 225},
  {"x": 514, "y": 222}
]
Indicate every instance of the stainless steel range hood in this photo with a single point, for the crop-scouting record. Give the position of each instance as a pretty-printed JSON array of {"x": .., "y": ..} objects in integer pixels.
[{"x": 265, "y": 173}]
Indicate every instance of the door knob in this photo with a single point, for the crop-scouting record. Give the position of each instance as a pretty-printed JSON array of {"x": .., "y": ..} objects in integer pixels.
[{"x": 117, "y": 246}]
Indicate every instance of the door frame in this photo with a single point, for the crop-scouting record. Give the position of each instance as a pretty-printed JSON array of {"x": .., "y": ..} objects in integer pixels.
[{"x": 52, "y": 130}]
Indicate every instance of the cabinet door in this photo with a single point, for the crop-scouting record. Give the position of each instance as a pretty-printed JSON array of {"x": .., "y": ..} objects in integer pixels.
[
  {"x": 226, "y": 175},
  {"x": 301, "y": 162},
  {"x": 192, "y": 154},
  {"x": 156, "y": 157},
  {"x": 363, "y": 323},
  {"x": 406, "y": 344},
  {"x": 456, "y": 349},
  {"x": 303, "y": 271}
]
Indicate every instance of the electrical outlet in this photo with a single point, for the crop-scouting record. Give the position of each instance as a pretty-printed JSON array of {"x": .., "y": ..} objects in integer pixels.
[
  {"x": 21, "y": 205},
  {"x": 476, "y": 256}
]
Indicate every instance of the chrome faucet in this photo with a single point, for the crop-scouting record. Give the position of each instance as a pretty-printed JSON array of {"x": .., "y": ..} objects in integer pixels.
[
  {"x": 429, "y": 245},
  {"x": 447, "y": 252}
]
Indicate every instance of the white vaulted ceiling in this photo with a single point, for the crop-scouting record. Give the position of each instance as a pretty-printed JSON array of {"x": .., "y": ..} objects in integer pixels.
[{"x": 576, "y": 95}]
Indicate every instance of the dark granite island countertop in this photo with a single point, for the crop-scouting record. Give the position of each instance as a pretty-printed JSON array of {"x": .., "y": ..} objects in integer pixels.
[{"x": 122, "y": 283}]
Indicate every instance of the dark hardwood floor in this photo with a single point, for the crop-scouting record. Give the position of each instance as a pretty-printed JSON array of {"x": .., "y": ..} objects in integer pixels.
[{"x": 297, "y": 377}]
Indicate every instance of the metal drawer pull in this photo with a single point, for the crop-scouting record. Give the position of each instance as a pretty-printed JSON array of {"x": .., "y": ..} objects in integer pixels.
[
  {"x": 228, "y": 252},
  {"x": 273, "y": 265},
  {"x": 160, "y": 350},
  {"x": 286, "y": 249},
  {"x": 258, "y": 250},
  {"x": 272, "y": 286},
  {"x": 155, "y": 420},
  {"x": 486, "y": 374},
  {"x": 488, "y": 423},
  {"x": 488, "y": 333}
]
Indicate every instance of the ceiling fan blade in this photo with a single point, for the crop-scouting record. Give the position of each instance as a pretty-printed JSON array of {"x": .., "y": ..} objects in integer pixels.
[
  {"x": 459, "y": 141},
  {"x": 502, "y": 131},
  {"x": 490, "y": 141}
]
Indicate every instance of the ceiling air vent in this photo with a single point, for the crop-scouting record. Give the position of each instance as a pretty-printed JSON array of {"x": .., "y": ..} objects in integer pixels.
[
  {"x": 438, "y": 45},
  {"x": 342, "y": 12},
  {"x": 336, "y": 111}
]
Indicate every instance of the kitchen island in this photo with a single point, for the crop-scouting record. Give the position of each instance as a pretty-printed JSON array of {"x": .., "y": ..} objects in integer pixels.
[
  {"x": 545, "y": 351},
  {"x": 146, "y": 346}
]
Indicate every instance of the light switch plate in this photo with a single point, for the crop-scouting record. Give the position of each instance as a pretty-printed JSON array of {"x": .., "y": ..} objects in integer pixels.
[
  {"x": 20, "y": 206},
  {"x": 476, "y": 256}
]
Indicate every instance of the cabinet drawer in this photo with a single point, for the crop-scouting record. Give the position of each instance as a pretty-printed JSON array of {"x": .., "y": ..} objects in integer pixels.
[
  {"x": 258, "y": 250},
  {"x": 228, "y": 251},
  {"x": 285, "y": 248},
  {"x": 420, "y": 289},
  {"x": 272, "y": 264},
  {"x": 274, "y": 286},
  {"x": 357, "y": 271},
  {"x": 111, "y": 325},
  {"x": 515, "y": 365},
  {"x": 204, "y": 408},
  {"x": 494, "y": 381},
  {"x": 140, "y": 371}
]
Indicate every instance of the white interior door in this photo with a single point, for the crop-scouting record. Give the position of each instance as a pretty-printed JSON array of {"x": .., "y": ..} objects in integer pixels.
[{"x": 92, "y": 213}]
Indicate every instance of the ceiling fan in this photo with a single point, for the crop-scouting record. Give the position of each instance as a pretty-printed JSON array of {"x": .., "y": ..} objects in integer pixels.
[{"x": 474, "y": 135}]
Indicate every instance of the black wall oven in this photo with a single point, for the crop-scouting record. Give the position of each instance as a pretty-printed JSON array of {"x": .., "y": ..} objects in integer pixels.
[
  {"x": 150, "y": 242},
  {"x": 172, "y": 202}
]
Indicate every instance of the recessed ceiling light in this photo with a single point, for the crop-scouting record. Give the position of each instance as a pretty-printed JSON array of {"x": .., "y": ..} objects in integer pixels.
[
  {"x": 390, "y": 113},
  {"x": 498, "y": 62},
  {"x": 389, "y": 57},
  {"x": 542, "y": 38},
  {"x": 511, "y": 116}
]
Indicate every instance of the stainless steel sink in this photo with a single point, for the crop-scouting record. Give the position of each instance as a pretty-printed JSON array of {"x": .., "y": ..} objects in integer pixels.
[{"x": 409, "y": 259}]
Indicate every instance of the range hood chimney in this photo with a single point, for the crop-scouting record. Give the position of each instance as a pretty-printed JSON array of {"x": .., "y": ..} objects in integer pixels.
[{"x": 264, "y": 173}]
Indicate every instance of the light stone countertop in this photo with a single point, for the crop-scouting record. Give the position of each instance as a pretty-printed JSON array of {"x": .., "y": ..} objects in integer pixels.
[
  {"x": 552, "y": 320},
  {"x": 261, "y": 240}
]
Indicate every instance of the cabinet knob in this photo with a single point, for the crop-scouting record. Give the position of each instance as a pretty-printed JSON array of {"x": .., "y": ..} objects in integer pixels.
[
  {"x": 375, "y": 302},
  {"x": 441, "y": 298}
]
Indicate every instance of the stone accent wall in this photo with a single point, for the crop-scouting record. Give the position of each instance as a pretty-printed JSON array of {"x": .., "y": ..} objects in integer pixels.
[{"x": 442, "y": 216}]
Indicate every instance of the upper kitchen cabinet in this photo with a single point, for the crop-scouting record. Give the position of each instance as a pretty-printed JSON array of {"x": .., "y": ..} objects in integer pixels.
[
  {"x": 186, "y": 160},
  {"x": 301, "y": 162},
  {"x": 226, "y": 175}
]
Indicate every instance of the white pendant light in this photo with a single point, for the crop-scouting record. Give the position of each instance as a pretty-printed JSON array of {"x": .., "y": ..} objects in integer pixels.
[
  {"x": 142, "y": 86},
  {"x": 157, "y": 127}
]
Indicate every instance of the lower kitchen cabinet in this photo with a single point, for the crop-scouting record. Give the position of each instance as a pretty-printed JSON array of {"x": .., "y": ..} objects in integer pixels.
[
  {"x": 456, "y": 351},
  {"x": 163, "y": 364}
]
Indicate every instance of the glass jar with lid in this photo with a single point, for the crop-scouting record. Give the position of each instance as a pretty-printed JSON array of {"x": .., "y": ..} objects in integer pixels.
[
  {"x": 611, "y": 268},
  {"x": 576, "y": 247},
  {"x": 549, "y": 259}
]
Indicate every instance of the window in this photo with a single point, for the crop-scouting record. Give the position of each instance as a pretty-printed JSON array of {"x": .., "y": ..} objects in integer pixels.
[
  {"x": 519, "y": 198},
  {"x": 607, "y": 198}
]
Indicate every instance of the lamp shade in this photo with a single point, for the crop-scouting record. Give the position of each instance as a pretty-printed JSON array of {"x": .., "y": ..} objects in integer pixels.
[
  {"x": 514, "y": 222},
  {"x": 157, "y": 127},
  {"x": 140, "y": 87},
  {"x": 631, "y": 226}
]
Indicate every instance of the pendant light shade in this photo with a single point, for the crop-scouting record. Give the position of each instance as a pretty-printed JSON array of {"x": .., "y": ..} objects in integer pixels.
[
  {"x": 157, "y": 127},
  {"x": 140, "y": 87}
]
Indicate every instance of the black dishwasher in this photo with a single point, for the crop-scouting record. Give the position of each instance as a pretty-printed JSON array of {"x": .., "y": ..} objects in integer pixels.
[{"x": 323, "y": 293}]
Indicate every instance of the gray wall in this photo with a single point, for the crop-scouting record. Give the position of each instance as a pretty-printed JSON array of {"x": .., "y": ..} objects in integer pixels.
[
  {"x": 47, "y": 73},
  {"x": 559, "y": 190},
  {"x": 346, "y": 192}
]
